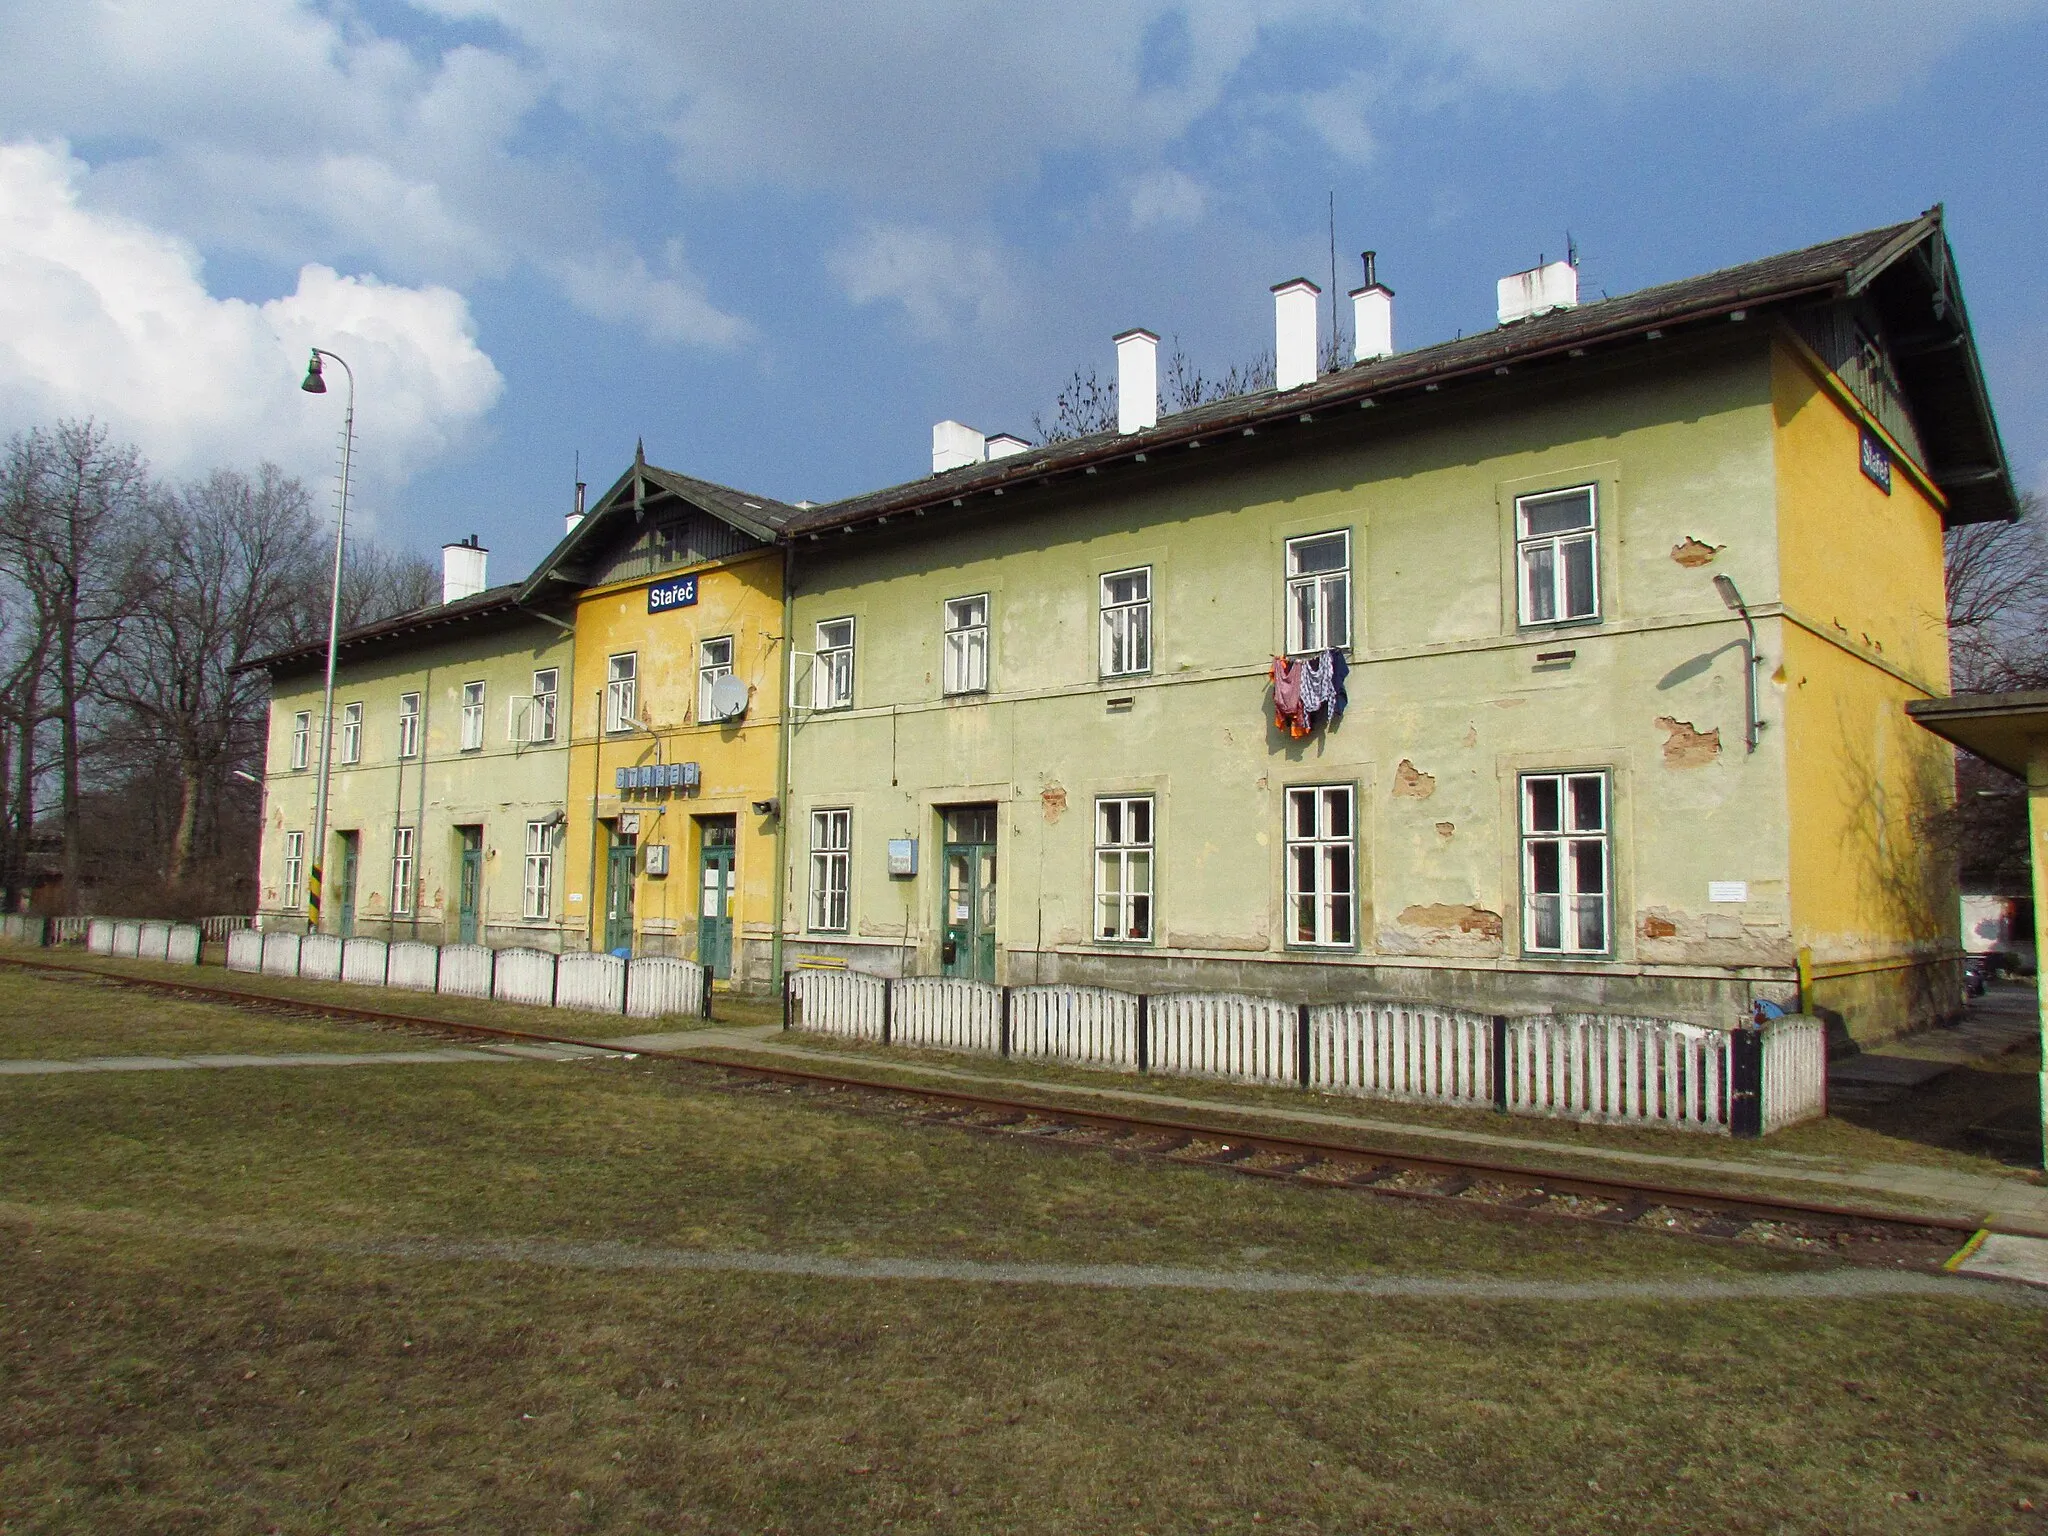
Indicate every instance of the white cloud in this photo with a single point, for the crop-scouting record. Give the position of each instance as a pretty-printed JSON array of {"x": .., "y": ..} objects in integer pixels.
[
  {"x": 670, "y": 305},
  {"x": 942, "y": 281},
  {"x": 1168, "y": 198},
  {"x": 103, "y": 316}
]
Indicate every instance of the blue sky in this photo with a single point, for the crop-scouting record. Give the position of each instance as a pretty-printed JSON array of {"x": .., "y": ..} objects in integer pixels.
[{"x": 780, "y": 242}]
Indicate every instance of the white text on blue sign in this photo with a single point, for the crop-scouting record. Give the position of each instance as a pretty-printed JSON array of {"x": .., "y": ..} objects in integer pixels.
[{"x": 679, "y": 593}]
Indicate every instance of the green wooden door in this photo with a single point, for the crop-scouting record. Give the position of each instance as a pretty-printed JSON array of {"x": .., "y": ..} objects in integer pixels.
[
  {"x": 968, "y": 920},
  {"x": 470, "y": 888},
  {"x": 621, "y": 866},
  {"x": 715, "y": 881},
  {"x": 345, "y": 887}
]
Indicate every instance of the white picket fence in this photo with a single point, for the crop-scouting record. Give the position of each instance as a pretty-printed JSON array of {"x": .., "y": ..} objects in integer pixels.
[
  {"x": 413, "y": 967},
  {"x": 1593, "y": 1067},
  {"x": 465, "y": 971},
  {"x": 365, "y": 962},
  {"x": 593, "y": 982},
  {"x": 656, "y": 986},
  {"x": 320, "y": 957},
  {"x": 524, "y": 976}
]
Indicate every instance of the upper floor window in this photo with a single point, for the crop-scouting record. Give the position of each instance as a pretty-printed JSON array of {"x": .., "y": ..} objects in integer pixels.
[
  {"x": 966, "y": 664},
  {"x": 1566, "y": 863},
  {"x": 294, "y": 869},
  {"x": 1127, "y": 622},
  {"x": 832, "y": 682},
  {"x": 831, "y": 860},
  {"x": 1322, "y": 867},
  {"x": 621, "y": 692},
  {"x": 1319, "y": 593},
  {"x": 408, "y": 725},
  {"x": 714, "y": 660},
  {"x": 1123, "y": 868},
  {"x": 540, "y": 725},
  {"x": 1555, "y": 553},
  {"x": 352, "y": 733},
  {"x": 302, "y": 745},
  {"x": 472, "y": 717}
]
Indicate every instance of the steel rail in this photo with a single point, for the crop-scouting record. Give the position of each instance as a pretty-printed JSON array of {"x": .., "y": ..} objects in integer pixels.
[{"x": 1380, "y": 1161}]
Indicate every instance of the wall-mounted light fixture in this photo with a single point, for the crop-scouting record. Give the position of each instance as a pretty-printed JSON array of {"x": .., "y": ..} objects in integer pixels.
[{"x": 1732, "y": 596}]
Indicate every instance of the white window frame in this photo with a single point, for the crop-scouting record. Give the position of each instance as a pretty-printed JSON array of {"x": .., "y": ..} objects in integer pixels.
[
  {"x": 1540, "y": 560},
  {"x": 473, "y": 717},
  {"x": 622, "y": 692},
  {"x": 408, "y": 726},
  {"x": 540, "y": 725},
  {"x": 832, "y": 673},
  {"x": 1322, "y": 866},
  {"x": 352, "y": 733},
  {"x": 966, "y": 644},
  {"x": 1572, "y": 849},
  {"x": 1126, "y": 869},
  {"x": 294, "y": 870},
  {"x": 1127, "y": 623},
  {"x": 712, "y": 664},
  {"x": 302, "y": 740},
  {"x": 1318, "y": 601},
  {"x": 404, "y": 840},
  {"x": 537, "y": 890},
  {"x": 831, "y": 869}
]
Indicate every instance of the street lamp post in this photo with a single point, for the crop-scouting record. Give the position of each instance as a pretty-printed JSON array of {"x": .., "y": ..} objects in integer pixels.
[{"x": 315, "y": 384}]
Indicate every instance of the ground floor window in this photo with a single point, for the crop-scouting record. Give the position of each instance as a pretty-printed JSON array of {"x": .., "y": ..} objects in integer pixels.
[
  {"x": 1123, "y": 869},
  {"x": 294, "y": 869},
  {"x": 538, "y": 898},
  {"x": 831, "y": 861},
  {"x": 1567, "y": 864},
  {"x": 1322, "y": 866},
  {"x": 401, "y": 871}
]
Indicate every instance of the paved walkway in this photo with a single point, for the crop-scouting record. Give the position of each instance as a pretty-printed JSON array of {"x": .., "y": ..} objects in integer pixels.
[
  {"x": 2012, "y": 1204},
  {"x": 454, "y": 1053},
  {"x": 2002, "y": 1020}
]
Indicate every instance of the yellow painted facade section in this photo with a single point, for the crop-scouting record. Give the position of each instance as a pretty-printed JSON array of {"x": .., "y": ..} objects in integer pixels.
[
  {"x": 739, "y": 599},
  {"x": 1861, "y": 580}
]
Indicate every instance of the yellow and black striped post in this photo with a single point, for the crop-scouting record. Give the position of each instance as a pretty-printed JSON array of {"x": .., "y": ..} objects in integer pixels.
[{"x": 313, "y": 899}]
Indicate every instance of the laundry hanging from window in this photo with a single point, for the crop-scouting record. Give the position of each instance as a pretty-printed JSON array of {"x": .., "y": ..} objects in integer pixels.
[{"x": 1309, "y": 692}]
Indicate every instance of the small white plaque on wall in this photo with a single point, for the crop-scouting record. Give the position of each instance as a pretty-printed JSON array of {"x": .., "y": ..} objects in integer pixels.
[{"x": 1727, "y": 890}]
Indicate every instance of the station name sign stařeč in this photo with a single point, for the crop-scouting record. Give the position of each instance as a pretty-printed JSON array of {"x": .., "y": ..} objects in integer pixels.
[{"x": 679, "y": 593}]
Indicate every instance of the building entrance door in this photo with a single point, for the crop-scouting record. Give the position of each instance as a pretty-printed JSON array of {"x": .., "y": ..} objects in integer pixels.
[
  {"x": 715, "y": 879},
  {"x": 968, "y": 921},
  {"x": 621, "y": 865},
  {"x": 345, "y": 887},
  {"x": 470, "y": 886}
]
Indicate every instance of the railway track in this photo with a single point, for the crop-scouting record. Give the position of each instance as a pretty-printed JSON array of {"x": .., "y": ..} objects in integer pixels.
[{"x": 1480, "y": 1187}]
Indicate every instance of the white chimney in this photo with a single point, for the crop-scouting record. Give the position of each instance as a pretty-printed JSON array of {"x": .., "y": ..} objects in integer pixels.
[
  {"x": 1294, "y": 333},
  {"x": 1137, "y": 381},
  {"x": 955, "y": 446},
  {"x": 1002, "y": 444},
  {"x": 575, "y": 519},
  {"x": 462, "y": 569},
  {"x": 1372, "y": 315},
  {"x": 1525, "y": 295}
]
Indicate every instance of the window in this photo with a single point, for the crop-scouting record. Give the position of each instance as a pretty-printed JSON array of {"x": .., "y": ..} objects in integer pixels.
[
  {"x": 540, "y": 871},
  {"x": 1123, "y": 869},
  {"x": 967, "y": 644},
  {"x": 1322, "y": 886},
  {"x": 408, "y": 725},
  {"x": 1319, "y": 593},
  {"x": 1565, "y": 863},
  {"x": 714, "y": 660},
  {"x": 401, "y": 871},
  {"x": 1127, "y": 622},
  {"x": 1554, "y": 551},
  {"x": 302, "y": 739},
  {"x": 831, "y": 838},
  {"x": 352, "y": 733},
  {"x": 540, "y": 726},
  {"x": 621, "y": 692},
  {"x": 832, "y": 682},
  {"x": 294, "y": 869},
  {"x": 472, "y": 717}
]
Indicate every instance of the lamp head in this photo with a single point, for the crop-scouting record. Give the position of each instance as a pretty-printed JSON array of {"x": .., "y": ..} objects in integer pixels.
[
  {"x": 1726, "y": 587},
  {"x": 314, "y": 385}
]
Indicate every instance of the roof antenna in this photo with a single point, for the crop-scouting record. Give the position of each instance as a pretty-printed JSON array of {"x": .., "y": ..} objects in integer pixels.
[
  {"x": 1333, "y": 276},
  {"x": 1571, "y": 249}
]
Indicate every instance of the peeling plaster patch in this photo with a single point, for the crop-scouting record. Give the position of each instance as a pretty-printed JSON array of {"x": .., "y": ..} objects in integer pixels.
[
  {"x": 1446, "y": 918},
  {"x": 1237, "y": 943},
  {"x": 1508, "y": 703},
  {"x": 1443, "y": 929},
  {"x": 1472, "y": 735},
  {"x": 1411, "y": 783},
  {"x": 1660, "y": 924},
  {"x": 1444, "y": 829},
  {"x": 1692, "y": 553},
  {"x": 1685, "y": 747},
  {"x": 1054, "y": 799}
]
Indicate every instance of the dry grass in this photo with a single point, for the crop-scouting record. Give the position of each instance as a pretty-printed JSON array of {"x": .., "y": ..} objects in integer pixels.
[{"x": 45, "y": 1018}]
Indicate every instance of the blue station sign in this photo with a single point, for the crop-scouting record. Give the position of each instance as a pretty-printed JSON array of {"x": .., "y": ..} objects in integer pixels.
[
  {"x": 678, "y": 593},
  {"x": 1877, "y": 461}
]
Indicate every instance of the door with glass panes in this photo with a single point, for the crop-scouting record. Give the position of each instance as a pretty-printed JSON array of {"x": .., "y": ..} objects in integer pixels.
[
  {"x": 345, "y": 887},
  {"x": 715, "y": 869},
  {"x": 622, "y": 864},
  {"x": 470, "y": 890},
  {"x": 968, "y": 921}
]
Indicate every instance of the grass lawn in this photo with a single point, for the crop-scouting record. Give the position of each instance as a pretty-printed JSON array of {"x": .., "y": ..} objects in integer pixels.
[
  {"x": 51, "y": 1019},
  {"x": 189, "y": 1342}
]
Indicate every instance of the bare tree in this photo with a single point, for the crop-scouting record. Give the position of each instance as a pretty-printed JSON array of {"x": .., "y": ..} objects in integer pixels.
[
  {"x": 1998, "y": 602},
  {"x": 1087, "y": 403},
  {"x": 377, "y": 583}
]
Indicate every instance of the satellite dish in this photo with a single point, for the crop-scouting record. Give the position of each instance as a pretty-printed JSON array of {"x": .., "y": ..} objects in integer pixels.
[{"x": 728, "y": 698}]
